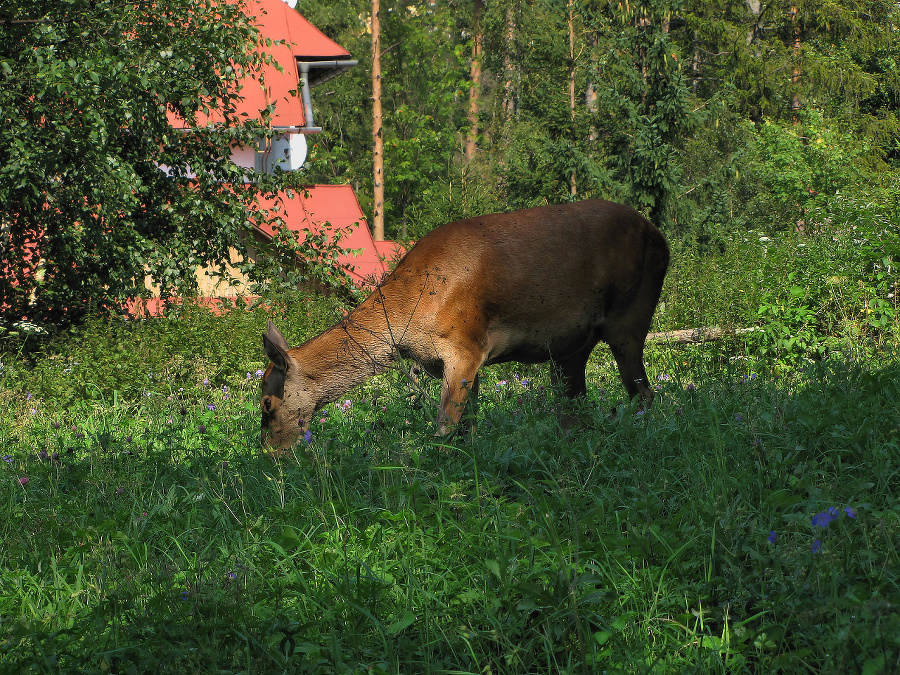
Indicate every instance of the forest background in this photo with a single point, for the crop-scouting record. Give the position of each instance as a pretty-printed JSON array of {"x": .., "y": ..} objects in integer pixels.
[
  {"x": 711, "y": 117},
  {"x": 716, "y": 119}
]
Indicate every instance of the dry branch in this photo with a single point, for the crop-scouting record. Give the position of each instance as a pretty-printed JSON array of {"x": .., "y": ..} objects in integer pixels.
[{"x": 695, "y": 335}]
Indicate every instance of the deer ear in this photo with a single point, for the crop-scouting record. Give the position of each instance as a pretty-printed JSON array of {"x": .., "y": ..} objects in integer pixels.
[{"x": 276, "y": 348}]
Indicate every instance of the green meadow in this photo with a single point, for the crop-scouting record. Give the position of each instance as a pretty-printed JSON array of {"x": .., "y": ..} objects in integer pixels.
[{"x": 748, "y": 523}]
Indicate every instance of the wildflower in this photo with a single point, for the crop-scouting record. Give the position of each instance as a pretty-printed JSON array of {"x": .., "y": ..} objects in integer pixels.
[
  {"x": 249, "y": 376},
  {"x": 211, "y": 407},
  {"x": 850, "y": 512},
  {"x": 231, "y": 576},
  {"x": 772, "y": 537},
  {"x": 663, "y": 377},
  {"x": 525, "y": 382},
  {"x": 33, "y": 411},
  {"x": 206, "y": 381},
  {"x": 824, "y": 519},
  {"x": 23, "y": 480},
  {"x": 691, "y": 386},
  {"x": 202, "y": 428},
  {"x": 43, "y": 455},
  {"x": 56, "y": 425},
  {"x": 28, "y": 396},
  {"x": 184, "y": 596},
  {"x": 738, "y": 418},
  {"x": 346, "y": 405},
  {"x": 8, "y": 459},
  {"x": 308, "y": 436},
  {"x": 259, "y": 373},
  {"x": 817, "y": 546}
]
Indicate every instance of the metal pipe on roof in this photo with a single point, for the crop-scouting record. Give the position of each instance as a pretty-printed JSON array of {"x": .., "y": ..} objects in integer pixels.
[{"x": 305, "y": 67}]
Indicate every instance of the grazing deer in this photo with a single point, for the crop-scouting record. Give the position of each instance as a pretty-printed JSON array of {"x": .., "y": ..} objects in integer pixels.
[{"x": 542, "y": 284}]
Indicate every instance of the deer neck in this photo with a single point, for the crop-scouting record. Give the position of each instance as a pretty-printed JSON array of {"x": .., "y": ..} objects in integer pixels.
[{"x": 346, "y": 355}]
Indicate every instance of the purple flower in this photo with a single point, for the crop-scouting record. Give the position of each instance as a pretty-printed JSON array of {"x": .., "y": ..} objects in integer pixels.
[
  {"x": 211, "y": 407},
  {"x": 231, "y": 575},
  {"x": 43, "y": 454},
  {"x": 817, "y": 546},
  {"x": 249, "y": 376},
  {"x": 206, "y": 381},
  {"x": 23, "y": 480},
  {"x": 772, "y": 537},
  {"x": 663, "y": 377},
  {"x": 259, "y": 373},
  {"x": 202, "y": 428},
  {"x": 738, "y": 418},
  {"x": 308, "y": 436},
  {"x": 850, "y": 512},
  {"x": 28, "y": 396},
  {"x": 691, "y": 386},
  {"x": 825, "y": 518},
  {"x": 8, "y": 459}
]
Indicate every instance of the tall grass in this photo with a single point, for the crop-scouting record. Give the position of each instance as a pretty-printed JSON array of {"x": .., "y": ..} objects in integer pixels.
[{"x": 748, "y": 523}]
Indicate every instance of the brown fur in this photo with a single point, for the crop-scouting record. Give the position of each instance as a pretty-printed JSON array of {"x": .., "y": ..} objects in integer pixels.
[{"x": 542, "y": 284}]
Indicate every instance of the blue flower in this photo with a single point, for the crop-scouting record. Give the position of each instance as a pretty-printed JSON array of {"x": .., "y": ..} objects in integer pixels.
[
  {"x": 850, "y": 512},
  {"x": 211, "y": 406},
  {"x": 259, "y": 373},
  {"x": 8, "y": 459},
  {"x": 308, "y": 436},
  {"x": 772, "y": 537},
  {"x": 825, "y": 518},
  {"x": 817, "y": 546}
]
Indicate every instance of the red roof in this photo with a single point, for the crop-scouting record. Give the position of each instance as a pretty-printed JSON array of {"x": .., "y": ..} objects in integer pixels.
[
  {"x": 276, "y": 21},
  {"x": 332, "y": 207}
]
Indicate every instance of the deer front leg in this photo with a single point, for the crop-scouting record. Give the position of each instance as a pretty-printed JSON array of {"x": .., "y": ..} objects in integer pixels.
[{"x": 459, "y": 391}]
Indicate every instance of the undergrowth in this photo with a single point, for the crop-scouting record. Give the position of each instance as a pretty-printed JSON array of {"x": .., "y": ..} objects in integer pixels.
[{"x": 747, "y": 523}]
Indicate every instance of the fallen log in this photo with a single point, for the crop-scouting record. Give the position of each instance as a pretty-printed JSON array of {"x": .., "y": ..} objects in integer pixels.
[{"x": 695, "y": 335}]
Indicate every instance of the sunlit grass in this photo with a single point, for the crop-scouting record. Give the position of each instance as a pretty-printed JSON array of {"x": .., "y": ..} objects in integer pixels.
[{"x": 747, "y": 523}]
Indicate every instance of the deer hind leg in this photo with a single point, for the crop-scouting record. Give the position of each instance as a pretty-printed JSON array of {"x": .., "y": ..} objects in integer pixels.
[
  {"x": 629, "y": 354},
  {"x": 569, "y": 373}
]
